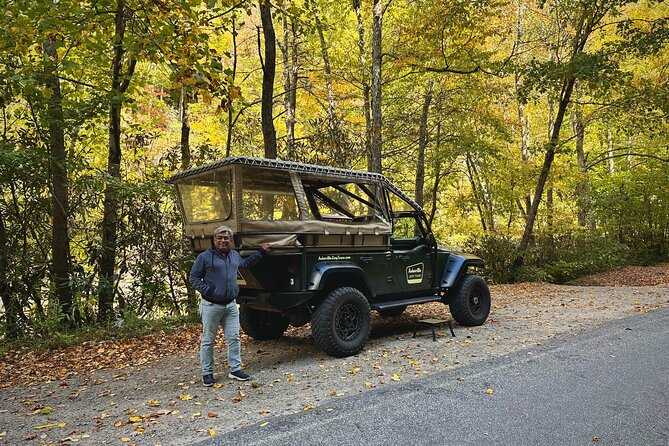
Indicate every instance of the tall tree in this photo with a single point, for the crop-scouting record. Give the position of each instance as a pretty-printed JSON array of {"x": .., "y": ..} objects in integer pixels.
[
  {"x": 122, "y": 70},
  {"x": 332, "y": 105},
  {"x": 376, "y": 146},
  {"x": 364, "y": 81},
  {"x": 60, "y": 239},
  {"x": 580, "y": 18},
  {"x": 422, "y": 143},
  {"x": 268, "y": 70},
  {"x": 289, "y": 51}
]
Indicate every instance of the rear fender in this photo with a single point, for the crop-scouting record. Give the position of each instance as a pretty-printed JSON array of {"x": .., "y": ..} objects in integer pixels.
[
  {"x": 456, "y": 266},
  {"x": 343, "y": 273}
]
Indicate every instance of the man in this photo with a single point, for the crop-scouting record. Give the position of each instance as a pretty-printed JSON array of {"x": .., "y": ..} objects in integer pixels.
[{"x": 214, "y": 275}]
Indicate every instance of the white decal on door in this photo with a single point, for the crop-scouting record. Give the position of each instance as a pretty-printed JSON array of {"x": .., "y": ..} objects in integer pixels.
[{"x": 415, "y": 273}]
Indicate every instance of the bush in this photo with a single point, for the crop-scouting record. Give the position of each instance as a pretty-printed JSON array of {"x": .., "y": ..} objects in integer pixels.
[
  {"x": 556, "y": 258},
  {"x": 499, "y": 252}
]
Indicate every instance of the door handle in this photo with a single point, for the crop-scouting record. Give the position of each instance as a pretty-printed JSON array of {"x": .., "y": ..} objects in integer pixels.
[
  {"x": 366, "y": 259},
  {"x": 404, "y": 257}
]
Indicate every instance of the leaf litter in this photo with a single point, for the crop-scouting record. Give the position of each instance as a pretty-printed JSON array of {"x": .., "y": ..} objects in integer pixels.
[{"x": 97, "y": 392}]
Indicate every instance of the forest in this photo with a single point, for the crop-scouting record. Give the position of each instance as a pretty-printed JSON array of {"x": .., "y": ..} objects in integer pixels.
[{"x": 534, "y": 133}]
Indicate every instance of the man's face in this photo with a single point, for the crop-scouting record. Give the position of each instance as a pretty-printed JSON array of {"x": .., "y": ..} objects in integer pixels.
[{"x": 222, "y": 242}]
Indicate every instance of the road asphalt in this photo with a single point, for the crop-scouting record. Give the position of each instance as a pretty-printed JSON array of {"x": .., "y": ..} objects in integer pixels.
[{"x": 606, "y": 386}]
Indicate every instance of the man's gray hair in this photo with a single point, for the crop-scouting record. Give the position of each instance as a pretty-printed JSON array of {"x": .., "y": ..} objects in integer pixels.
[{"x": 223, "y": 229}]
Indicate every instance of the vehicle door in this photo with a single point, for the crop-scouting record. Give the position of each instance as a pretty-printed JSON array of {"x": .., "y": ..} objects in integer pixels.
[{"x": 413, "y": 256}]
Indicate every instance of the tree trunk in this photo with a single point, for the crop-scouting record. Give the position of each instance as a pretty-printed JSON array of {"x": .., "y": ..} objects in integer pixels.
[
  {"x": 8, "y": 300},
  {"x": 523, "y": 120},
  {"x": 289, "y": 53},
  {"x": 119, "y": 84},
  {"x": 609, "y": 150},
  {"x": 568, "y": 87},
  {"x": 231, "y": 122},
  {"x": 191, "y": 298},
  {"x": 522, "y": 115},
  {"x": 481, "y": 195},
  {"x": 422, "y": 144},
  {"x": 60, "y": 240},
  {"x": 269, "y": 70},
  {"x": 437, "y": 174},
  {"x": 332, "y": 115},
  {"x": 185, "y": 130},
  {"x": 365, "y": 83},
  {"x": 376, "y": 148},
  {"x": 583, "y": 186}
]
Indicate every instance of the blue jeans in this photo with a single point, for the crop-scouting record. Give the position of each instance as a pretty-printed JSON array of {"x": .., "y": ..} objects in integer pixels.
[{"x": 227, "y": 316}]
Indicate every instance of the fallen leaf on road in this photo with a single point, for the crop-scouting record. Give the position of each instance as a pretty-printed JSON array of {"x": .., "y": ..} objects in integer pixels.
[
  {"x": 212, "y": 432},
  {"x": 46, "y": 426},
  {"x": 396, "y": 377},
  {"x": 263, "y": 411},
  {"x": 185, "y": 397},
  {"x": 212, "y": 415},
  {"x": 264, "y": 424},
  {"x": 489, "y": 391}
]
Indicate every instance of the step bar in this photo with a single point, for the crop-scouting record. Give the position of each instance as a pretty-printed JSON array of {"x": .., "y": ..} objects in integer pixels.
[{"x": 380, "y": 306}]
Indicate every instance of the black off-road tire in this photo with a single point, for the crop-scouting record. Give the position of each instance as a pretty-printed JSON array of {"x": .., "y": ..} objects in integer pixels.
[
  {"x": 470, "y": 303},
  {"x": 262, "y": 325},
  {"x": 393, "y": 312},
  {"x": 342, "y": 322}
]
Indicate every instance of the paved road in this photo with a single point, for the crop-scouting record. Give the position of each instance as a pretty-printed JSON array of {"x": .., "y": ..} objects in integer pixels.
[{"x": 609, "y": 386}]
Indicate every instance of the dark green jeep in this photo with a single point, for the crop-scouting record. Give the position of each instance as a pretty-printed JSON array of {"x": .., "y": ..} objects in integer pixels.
[{"x": 344, "y": 242}]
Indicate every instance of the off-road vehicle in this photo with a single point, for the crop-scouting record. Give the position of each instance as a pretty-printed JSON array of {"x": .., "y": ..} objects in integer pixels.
[{"x": 344, "y": 242}]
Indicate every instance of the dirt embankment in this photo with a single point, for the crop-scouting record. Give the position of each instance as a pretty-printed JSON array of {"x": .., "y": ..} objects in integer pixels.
[{"x": 148, "y": 391}]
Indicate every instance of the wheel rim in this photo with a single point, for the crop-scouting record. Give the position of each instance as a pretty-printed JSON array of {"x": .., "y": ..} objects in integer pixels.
[
  {"x": 348, "y": 322},
  {"x": 476, "y": 300}
]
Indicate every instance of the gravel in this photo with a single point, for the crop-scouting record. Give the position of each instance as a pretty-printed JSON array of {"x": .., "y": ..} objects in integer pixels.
[{"x": 163, "y": 402}]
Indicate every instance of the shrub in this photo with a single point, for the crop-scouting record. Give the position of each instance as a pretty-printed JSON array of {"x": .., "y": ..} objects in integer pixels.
[{"x": 555, "y": 257}]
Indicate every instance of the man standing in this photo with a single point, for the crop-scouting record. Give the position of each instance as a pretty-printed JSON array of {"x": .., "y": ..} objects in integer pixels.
[{"x": 214, "y": 275}]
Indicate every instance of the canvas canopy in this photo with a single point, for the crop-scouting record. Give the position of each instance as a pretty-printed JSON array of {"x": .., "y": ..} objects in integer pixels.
[{"x": 282, "y": 202}]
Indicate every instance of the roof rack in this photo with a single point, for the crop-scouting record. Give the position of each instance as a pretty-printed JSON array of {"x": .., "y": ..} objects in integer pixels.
[{"x": 291, "y": 166}]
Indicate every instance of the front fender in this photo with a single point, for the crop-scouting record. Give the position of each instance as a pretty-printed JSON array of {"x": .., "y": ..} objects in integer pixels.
[
  {"x": 323, "y": 270},
  {"x": 456, "y": 265}
]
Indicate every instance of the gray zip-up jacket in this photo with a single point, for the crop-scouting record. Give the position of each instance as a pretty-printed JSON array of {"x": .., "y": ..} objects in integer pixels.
[{"x": 215, "y": 275}]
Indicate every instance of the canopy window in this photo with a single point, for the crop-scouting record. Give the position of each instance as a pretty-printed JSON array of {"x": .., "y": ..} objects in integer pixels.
[
  {"x": 356, "y": 202},
  {"x": 268, "y": 195},
  {"x": 206, "y": 197}
]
